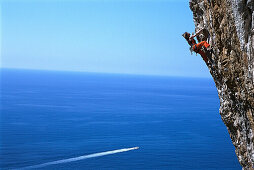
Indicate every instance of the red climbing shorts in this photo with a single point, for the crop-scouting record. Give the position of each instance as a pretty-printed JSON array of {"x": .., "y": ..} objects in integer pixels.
[
  {"x": 198, "y": 46},
  {"x": 197, "y": 49}
]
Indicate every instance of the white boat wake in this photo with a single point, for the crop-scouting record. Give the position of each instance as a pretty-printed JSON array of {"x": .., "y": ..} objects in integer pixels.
[{"x": 78, "y": 158}]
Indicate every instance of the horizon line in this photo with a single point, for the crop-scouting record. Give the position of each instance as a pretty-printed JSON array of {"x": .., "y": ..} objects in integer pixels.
[{"x": 116, "y": 73}]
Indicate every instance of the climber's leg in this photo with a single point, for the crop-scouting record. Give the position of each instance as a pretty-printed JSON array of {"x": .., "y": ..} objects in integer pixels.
[
  {"x": 205, "y": 44},
  {"x": 201, "y": 44},
  {"x": 203, "y": 56}
]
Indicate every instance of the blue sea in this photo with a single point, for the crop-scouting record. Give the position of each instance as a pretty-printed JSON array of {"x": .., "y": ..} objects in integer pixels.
[{"x": 52, "y": 115}]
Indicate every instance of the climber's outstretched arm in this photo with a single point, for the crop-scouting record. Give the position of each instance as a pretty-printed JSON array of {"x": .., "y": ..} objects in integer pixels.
[{"x": 196, "y": 34}]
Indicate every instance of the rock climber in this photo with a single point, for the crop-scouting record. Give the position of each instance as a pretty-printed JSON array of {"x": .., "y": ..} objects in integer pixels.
[{"x": 198, "y": 48}]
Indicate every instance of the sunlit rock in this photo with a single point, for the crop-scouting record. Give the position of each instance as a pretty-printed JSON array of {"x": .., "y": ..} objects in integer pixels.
[{"x": 230, "y": 27}]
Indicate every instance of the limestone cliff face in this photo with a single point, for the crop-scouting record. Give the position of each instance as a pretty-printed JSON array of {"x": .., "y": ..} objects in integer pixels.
[{"x": 230, "y": 30}]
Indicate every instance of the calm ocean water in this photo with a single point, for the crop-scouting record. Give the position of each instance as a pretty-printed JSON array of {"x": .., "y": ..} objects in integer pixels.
[{"x": 48, "y": 116}]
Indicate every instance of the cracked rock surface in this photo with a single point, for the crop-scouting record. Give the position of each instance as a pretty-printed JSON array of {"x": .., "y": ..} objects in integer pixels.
[{"x": 229, "y": 28}]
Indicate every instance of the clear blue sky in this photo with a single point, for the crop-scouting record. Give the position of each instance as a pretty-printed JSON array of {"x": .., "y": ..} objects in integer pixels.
[{"x": 137, "y": 37}]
